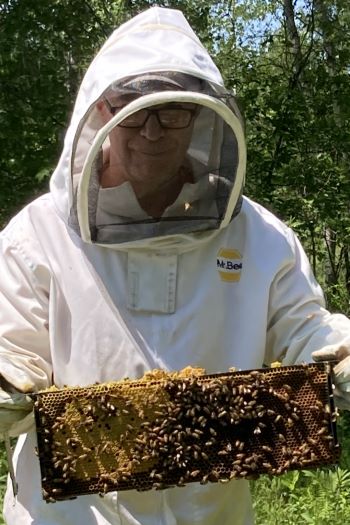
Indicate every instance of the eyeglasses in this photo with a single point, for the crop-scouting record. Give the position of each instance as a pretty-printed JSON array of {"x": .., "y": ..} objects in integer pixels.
[{"x": 169, "y": 117}]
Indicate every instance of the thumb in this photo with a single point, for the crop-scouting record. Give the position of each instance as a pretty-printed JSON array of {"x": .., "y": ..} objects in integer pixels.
[{"x": 342, "y": 374}]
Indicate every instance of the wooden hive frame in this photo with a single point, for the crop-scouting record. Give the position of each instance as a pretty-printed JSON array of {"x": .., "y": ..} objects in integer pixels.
[{"x": 155, "y": 434}]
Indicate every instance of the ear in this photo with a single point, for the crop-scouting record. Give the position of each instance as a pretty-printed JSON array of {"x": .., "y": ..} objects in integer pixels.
[{"x": 104, "y": 112}]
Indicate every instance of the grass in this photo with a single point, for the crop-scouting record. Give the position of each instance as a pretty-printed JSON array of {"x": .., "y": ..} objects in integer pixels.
[
  {"x": 314, "y": 497},
  {"x": 3, "y": 476}
]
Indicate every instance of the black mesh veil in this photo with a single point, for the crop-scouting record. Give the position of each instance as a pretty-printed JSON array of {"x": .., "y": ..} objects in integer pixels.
[{"x": 154, "y": 158}]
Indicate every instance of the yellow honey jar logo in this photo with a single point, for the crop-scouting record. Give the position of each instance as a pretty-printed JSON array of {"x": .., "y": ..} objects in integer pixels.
[{"x": 229, "y": 265}]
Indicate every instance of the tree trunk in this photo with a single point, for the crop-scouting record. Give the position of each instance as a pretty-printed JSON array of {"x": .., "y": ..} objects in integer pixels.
[{"x": 293, "y": 35}]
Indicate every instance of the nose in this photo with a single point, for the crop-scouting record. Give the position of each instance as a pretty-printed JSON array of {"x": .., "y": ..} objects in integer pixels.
[{"x": 152, "y": 130}]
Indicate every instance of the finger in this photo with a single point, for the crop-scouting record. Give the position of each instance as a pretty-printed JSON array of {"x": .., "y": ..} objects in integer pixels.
[
  {"x": 342, "y": 374},
  {"x": 326, "y": 354}
]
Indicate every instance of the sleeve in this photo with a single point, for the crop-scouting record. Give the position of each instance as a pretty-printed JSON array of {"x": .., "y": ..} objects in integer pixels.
[
  {"x": 24, "y": 316},
  {"x": 298, "y": 322}
]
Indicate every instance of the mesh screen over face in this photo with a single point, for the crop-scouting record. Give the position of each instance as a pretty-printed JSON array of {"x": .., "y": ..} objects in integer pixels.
[{"x": 165, "y": 169}]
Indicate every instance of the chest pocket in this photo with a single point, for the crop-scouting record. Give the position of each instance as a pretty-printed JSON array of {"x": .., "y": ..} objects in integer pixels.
[{"x": 151, "y": 282}]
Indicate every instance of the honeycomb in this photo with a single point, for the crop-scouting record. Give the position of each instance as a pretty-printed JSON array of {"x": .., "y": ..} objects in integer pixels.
[{"x": 168, "y": 430}]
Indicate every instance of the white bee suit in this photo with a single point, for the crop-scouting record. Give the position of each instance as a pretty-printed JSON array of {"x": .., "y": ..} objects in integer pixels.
[{"x": 76, "y": 312}]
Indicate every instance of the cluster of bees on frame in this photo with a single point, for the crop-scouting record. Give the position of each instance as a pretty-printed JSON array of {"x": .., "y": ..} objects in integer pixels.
[{"x": 199, "y": 430}]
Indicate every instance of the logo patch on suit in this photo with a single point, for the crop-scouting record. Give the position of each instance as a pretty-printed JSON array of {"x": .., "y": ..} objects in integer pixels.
[{"x": 229, "y": 265}]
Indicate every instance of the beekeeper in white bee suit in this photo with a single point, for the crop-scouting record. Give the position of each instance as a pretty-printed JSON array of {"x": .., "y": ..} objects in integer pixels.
[{"x": 145, "y": 255}]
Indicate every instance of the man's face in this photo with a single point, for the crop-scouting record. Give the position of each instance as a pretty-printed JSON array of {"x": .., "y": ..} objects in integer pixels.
[{"x": 150, "y": 155}]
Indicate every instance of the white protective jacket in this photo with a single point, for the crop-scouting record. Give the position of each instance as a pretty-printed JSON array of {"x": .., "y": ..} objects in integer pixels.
[{"x": 242, "y": 296}]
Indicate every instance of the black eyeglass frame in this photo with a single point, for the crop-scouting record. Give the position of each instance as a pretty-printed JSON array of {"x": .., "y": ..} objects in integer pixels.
[{"x": 113, "y": 110}]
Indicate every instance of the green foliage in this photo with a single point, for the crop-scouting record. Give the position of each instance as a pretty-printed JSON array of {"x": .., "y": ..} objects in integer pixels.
[
  {"x": 297, "y": 107},
  {"x": 45, "y": 48},
  {"x": 303, "y": 497},
  {"x": 343, "y": 427}
]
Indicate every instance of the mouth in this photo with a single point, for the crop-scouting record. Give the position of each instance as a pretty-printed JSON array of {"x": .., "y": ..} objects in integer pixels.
[
  {"x": 152, "y": 150},
  {"x": 151, "y": 153}
]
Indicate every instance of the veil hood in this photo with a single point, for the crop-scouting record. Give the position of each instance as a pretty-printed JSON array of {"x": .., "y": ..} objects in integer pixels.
[{"x": 157, "y": 40}]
